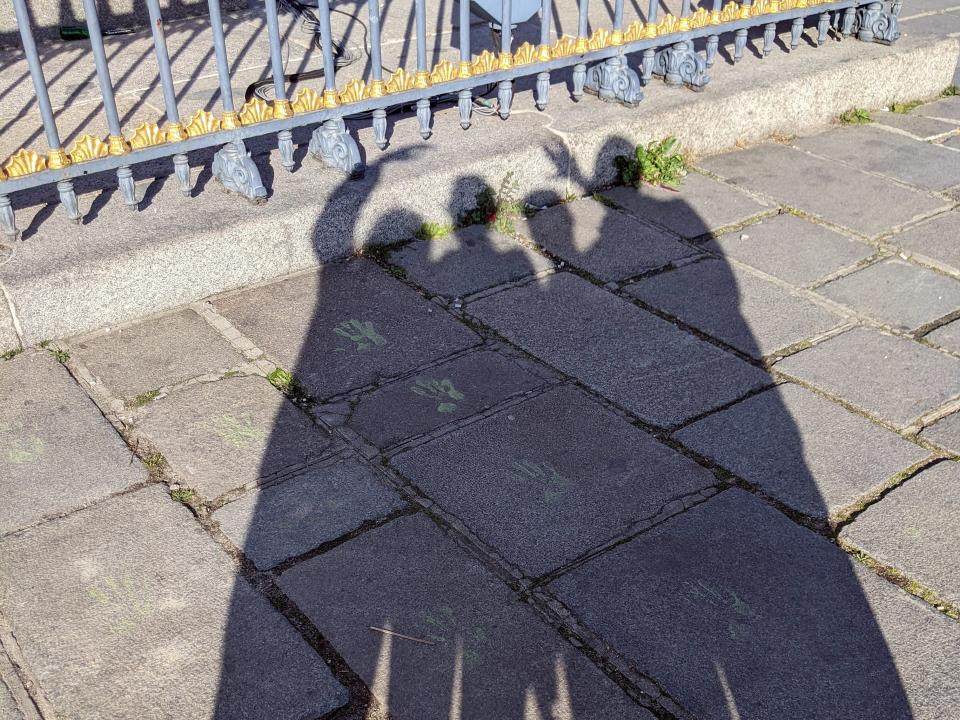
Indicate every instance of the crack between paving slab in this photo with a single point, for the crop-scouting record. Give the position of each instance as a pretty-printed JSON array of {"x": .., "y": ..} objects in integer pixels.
[
  {"x": 14, "y": 315},
  {"x": 21, "y": 669}
]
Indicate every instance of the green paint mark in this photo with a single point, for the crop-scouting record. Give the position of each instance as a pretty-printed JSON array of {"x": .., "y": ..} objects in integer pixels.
[
  {"x": 241, "y": 432},
  {"x": 735, "y": 610},
  {"x": 443, "y": 626},
  {"x": 24, "y": 451},
  {"x": 440, "y": 391},
  {"x": 555, "y": 484},
  {"x": 125, "y": 600},
  {"x": 361, "y": 332}
]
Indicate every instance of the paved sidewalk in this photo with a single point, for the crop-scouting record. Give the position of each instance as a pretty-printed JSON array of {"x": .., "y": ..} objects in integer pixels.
[{"x": 656, "y": 454}]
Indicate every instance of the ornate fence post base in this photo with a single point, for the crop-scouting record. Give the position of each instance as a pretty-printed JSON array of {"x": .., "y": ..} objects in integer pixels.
[
  {"x": 380, "y": 128},
  {"x": 579, "y": 79},
  {"x": 69, "y": 200},
  {"x": 285, "y": 145},
  {"x": 333, "y": 146},
  {"x": 849, "y": 16},
  {"x": 543, "y": 90},
  {"x": 713, "y": 44},
  {"x": 423, "y": 118},
  {"x": 234, "y": 168},
  {"x": 796, "y": 30},
  {"x": 181, "y": 168},
  {"x": 465, "y": 106},
  {"x": 646, "y": 65},
  {"x": 614, "y": 81},
  {"x": 505, "y": 97},
  {"x": 876, "y": 24},
  {"x": 680, "y": 65},
  {"x": 8, "y": 222},
  {"x": 739, "y": 44},
  {"x": 769, "y": 33},
  {"x": 823, "y": 26},
  {"x": 127, "y": 189}
]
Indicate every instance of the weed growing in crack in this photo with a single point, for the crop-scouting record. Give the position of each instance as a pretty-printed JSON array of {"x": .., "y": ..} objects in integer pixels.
[
  {"x": 660, "y": 164},
  {"x": 433, "y": 231},
  {"x": 182, "y": 495},
  {"x": 10, "y": 354},
  {"x": 604, "y": 200},
  {"x": 62, "y": 356},
  {"x": 289, "y": 385},
  {"x": 856, "y": 116},
  {"x": 154, "y": 461},
  {"x": 498, "y": 209},
  {"x": 950, "y": 91},
  {"x": 142, "y": 399},
  {"x": 905, "y": 108}
]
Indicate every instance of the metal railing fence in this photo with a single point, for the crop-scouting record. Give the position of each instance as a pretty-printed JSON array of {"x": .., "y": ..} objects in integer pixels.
[{"x": 601, "y": 62}]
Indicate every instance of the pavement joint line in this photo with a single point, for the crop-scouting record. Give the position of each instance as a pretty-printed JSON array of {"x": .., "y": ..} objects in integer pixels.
[
  {"x": 929, "y": 327},
  {"x": 14, "y": 315},
  {"x": 878, "y": 256},
  {"x": 925, "y": 421},
  {"x": 24, "y": 673},
  {"x": 926, "y": 261}
]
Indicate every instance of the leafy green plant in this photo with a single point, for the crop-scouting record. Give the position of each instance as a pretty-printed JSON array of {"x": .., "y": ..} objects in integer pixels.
[
  {"x": 659, "y": 164},
  {"x": 10, "y": 354},
  {"x": 287, "y": 383},
  {"x": 498, "y": 209},
  {"x": 950, "y": 91},
  {"x": 61, "y": 355},
  {"x": 182, "y": 495},
  {"x": 433, "y": 231},
  {"x": 905, "y": 108},
  {"x": 154, "y": 460},
  {"x": 856, "y": 116}
]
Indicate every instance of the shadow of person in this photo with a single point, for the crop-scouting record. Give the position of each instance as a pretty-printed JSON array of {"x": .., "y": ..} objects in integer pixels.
[{"x": 553, "y": 478}]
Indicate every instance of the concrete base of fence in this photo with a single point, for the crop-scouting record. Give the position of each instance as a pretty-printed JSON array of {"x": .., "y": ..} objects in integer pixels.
[{"x": 64, "y": 279}]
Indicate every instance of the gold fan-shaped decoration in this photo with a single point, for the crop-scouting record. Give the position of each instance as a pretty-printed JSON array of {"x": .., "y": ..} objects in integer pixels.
[
  {"x": 701, "y": 18},
  {"x": 599, "y": 40},
  {"x": 307, "y": 100},
  {"x": 25, "y": 162},
  {"x": 354, "y": 91},
  {"x": 87, "y": 147},
  {"x": 485, "y": 62},
  {"x": 633, "y": 32},
  {"x": 443, "y": 71},
  {"x": 564, "y": 46},
  {"x": 400, "y": 80},
  {"x": 730, "y": 12},
  {"x": 668, "y": 24},
  {"x": 525, "y": 54},
  {"x": 146, "y": 135},
  {"x": 203, "y": 122},
  {"x": 255, "y": 111}
]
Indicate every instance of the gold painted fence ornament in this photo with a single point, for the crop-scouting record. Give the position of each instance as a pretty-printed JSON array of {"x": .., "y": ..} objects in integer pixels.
[
  {"x": 24, "y": 162},
  {"x": 202, "y": 123},
  {"x": 88, "y": 147}
]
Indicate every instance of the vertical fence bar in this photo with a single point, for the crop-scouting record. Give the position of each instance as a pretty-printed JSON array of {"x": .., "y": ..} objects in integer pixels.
[
  {"x": 422, "y": 79},
  {"x": 331, "y": 142},
  {"x": 796, "y": 30},
  {"x": 646, "y": 62},
  {"x": 505, "y": 87},
  {"x": 465, "y": 97},
  {"x": 116, "y": 143},
  {"x": 173, "y": 131},
  {"x": 543, "y": 52},
  {"x": 377, "y": 86},
  {"x": 713, "y": 41},
  {"x": 281, "y": 104},
  {"x": 232, "y": 165},
  {"x": 740, "y": 36},
  {"x": 580, "y": 69},
  {"x": 56, "y": 157}
]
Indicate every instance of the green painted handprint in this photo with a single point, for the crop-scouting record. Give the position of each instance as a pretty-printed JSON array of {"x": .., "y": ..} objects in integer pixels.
[
  {"x": 555, "y": 485},
  {"x": 362, "y": 332},
  {"x": 440, "y": 391}
]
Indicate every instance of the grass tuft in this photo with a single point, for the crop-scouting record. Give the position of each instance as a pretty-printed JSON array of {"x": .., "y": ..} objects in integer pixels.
[
  {"x": 10, "y": 354},
  {"x": 154, "y": 461},
  {"x": 950, "y": 91},
  {"x": 433, "y": 231},
  {"x": 905, "y": 108},
  {"x": 182, "y": 495},
  {"x": 856, "y": 116},
  {"x": 142, "y": 399},
  {"x": 62, "y": 356}
]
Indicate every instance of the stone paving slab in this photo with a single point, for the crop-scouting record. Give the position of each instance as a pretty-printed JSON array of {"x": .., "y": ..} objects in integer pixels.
[
  {"x": 877, "y": 150},
  {"x": 735, "y": 306},
  {"x": 945, "y": 432},
  {"x": 485, "y": 655},
  {"x": 605, "y": 242},
  {"x": 953, "y": 142},
  {"x": 897, "y": 292},
  {"x": 947, "y": 336},
  {"x": 645, "y": 364},
  {"x": 451, "y": 391},
  {"x": 130, "y": 610},
  {"x": 923, "y": 128},
  {"x": 836, "y": 193},
  {"x": 947, "y": 23},
  {"x": 802, "y": 449},
  {"x": 8, "y": 334},
  {"x": 945, "y": 108},
  {"x": 222, "y": 435},
  {"x": 737, "y": 611},
  {"x": 344, "y": 326},
  {"x": 15, "y": 704},
  {"x": 467, "y": 260},
  {"x": 935, "y": 239},
  {"x": 700, "y": 206},
  {"x": 916, "y": 529},
  {"x": 791, "y": 248},
  {"x": 282, "y": 521},
  {"x": 893, "y": 378},
  {"x": 57, "y": 452},
  {"x": 546, "y": 480},
  {"x": 156, "y": 353}
]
